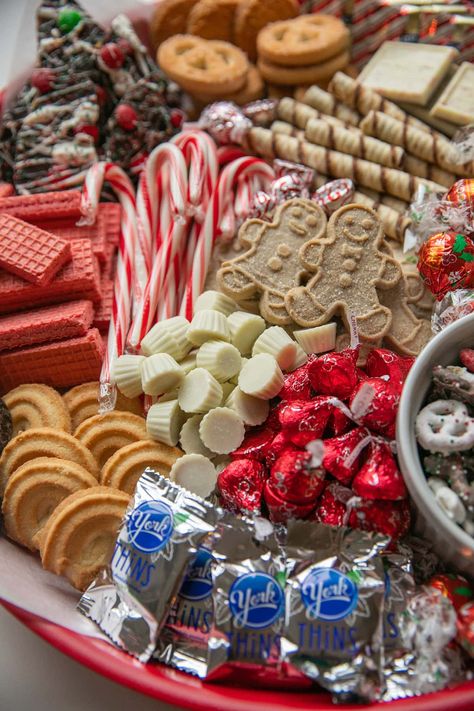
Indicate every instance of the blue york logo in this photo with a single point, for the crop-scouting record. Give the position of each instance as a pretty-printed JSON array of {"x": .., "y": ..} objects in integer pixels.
[
  {"x": 256, "y": 600},
  {"x": 150, "y": 526},
  {"x": 328, "y": 594},
  {"x": 198, "y": 581}
]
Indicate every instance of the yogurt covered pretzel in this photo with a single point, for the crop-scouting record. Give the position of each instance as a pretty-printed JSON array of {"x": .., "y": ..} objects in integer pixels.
[{"x": 445, "y": 426}]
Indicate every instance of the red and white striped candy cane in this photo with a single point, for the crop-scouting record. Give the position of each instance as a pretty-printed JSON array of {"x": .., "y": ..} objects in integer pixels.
[
  {"x": 165, "y": 174},
  {"x": 121, "y": 308},
  {"x": 228, "y": 179}
]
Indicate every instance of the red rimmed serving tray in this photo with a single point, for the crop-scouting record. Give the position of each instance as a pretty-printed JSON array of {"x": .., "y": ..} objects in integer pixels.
[{"x": 187, "y": 692}]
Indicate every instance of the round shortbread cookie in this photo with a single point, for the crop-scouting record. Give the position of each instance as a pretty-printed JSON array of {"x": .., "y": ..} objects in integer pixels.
[
  {"x": 79, "y": 536},
  {"x": 170, "y": 18},
  {"x": 83, "y": 402},
  {"x": 44, "y": 442},
  {"x": 200, "y": 65},
  {"x": 213, "y": 19},
  {"x": 302, "y": 75},
  {"x": 125, "y": 467},
  {"x": 253, "y": 15},
  {"x": 309, "y": 39},
  {"x": 37, "y": 406},
  {"x": 105, "y": 434},
  {"x": 253, "y": 89},
  {"x": 33, "y": 492}
]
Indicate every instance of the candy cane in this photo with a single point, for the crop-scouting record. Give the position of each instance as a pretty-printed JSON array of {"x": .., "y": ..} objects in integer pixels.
[
  {"x": 225, "y": 186},
  {"x": 168, "y": 160},
  {"x": 121, "y": 308}
]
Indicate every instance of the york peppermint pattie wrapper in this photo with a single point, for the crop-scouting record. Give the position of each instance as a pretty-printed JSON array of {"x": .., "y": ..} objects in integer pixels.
[
  {"x": 163, "y": 528},
  {"x": 334, "y": 608},
  {"x": 249, "y": 609}
]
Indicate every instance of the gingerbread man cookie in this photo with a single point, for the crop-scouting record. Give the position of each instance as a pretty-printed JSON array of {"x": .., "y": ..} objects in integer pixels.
[
  {"x": 271, "y": 266},
  {"x": 350, "y": 267},
  {"x": 408, "y": 334}
]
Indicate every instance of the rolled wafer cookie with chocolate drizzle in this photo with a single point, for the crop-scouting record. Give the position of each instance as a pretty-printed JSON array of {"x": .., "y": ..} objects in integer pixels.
[
  {"x": 433, "y": 148},
  {"x": 328, "y": 104},
  {"x": 354, "y": 143},
  {"x": 298, "y": 114},
  {"x": 338, "y": 165}
]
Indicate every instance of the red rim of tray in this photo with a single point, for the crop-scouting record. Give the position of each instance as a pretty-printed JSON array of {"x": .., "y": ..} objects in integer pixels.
[{"x": 184, "y": 690}]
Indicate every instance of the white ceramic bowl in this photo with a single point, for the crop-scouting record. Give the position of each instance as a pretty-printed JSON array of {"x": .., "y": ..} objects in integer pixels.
[{"x": 449, "y": 540}]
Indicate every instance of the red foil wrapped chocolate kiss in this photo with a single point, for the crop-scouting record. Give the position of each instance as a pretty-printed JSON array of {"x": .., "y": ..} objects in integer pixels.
[
  {"x": 379, "y": 477},
  {"x": 338, "y": 451},
  {"x": 382, "y": 361},
  {"x": 280, "y": 510},
  {"x": 294, "y": 478},
  {"x": 375, "y": 404},
  {"x": 240, "y": 485},
  {"x": 391, "y": 518},
  {"x": 335, "y": 373}
]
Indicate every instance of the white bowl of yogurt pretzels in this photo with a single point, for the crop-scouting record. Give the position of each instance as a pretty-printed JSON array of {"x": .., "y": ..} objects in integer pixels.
[{"x": 435, "y": 438}]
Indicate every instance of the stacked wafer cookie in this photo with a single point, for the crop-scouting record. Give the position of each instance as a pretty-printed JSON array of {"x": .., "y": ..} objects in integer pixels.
[{"x": 55, "y": 289}]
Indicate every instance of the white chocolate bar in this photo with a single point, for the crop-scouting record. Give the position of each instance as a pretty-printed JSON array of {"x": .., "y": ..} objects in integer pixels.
[
  {"x": 196, "y": 473},
  {"x": 215, "y": 301},
  {"x": 252, "y": 410},
  {"x": 222, "y": 430},
  {"x": 406, "y": 71},
  {"x": 317, "y": 340},
  {"x": 160, "y": 373},
  {"x": 276, "y": 342},
  {"x": 261, "y": 377},
  {"x": 163, "y": 422},
  {"x": 456, "y": 103},
  {"x": 208, "y": 325},
  {"x": 200, "y": 392},
  {"x": 189, "y": 437},
  {"x": 221, "y": 359},
  {"x": 126, "y": 374},
  {"x": 244, "y": 330}
]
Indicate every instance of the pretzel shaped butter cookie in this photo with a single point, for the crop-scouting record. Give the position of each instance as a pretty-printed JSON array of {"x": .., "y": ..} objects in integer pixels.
[
  {"x": 200, "y": 65},
  {"x": 349, "y": 266},
  {"x": 445, "y": 426},
  {"x": 271, "y": 266}
]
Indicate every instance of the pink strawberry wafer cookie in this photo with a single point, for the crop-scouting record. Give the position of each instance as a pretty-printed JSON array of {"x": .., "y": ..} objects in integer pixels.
[
  {"x": 50, "y": 323},
  {"x": 110, "y": 213},
  {"x": 79, "y": 279},
  {"x": 61, "y": 364},
  {"x": 44, "y": 206},
  {"x": 103, "y": 313},
  {"x": 30, "y": 252},
  {"x": 68, "y": 230}
]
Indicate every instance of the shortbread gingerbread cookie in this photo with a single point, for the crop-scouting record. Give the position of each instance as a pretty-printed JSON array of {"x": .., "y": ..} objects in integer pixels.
[
  {"x": 83, "y": 402},
  {"x": 37, "y": 406},
  {"x": 44, "y": 442},
  {"x": 203, "y": 66},
  {"x": 213, "y": 19},
  {"x": 350, "y": 267},
  {"x": 308, "y": 39},
  {"x": 79, "y": 536},
  {"x": 33, "y": 492},
  {"x": 125, "y": 467},
  {"x": 309, "y": 74},
  {"x": 170, "y": 18},
  {"x": 105, "y": 434},
  {"x": 254, "y": 15},
  {"x": 271, "y": 265},
  {"x": 408, "y": 334}
]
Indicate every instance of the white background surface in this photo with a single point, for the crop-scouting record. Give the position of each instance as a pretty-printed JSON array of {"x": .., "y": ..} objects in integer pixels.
[{"x": 33, "y": 675}]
